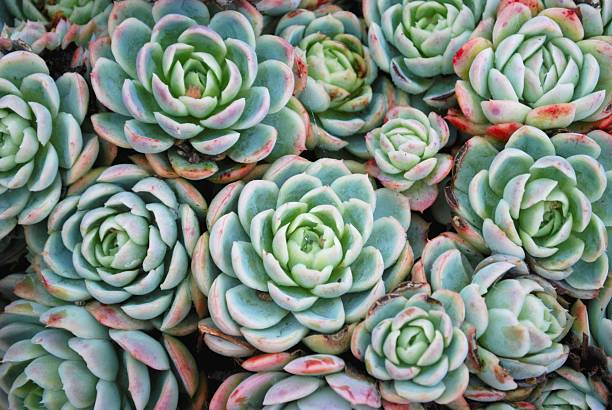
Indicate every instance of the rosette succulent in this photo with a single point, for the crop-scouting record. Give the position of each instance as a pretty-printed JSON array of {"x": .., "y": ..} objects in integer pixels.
[
  {"x": 405, "y": 154},
  {"x": 76, "y": 11},
  {"x": 544, "y": 199},
  {"x": 572, "y": 390},
  {"x": 125, "y": 238},
  {"x": 596, "y": 17},
  {"x": 198, "y": 96},
  {"x": 414, "y": 345},
  {"x": 42, "y": 146},
  {"x": 60, "y": 357},
  {"x": 308, "y": 382},
  {"x": 306, "y": 249},
  {"x": 537, "y": 71},
  {"x": 340, "y": 93},
  {"x": 415, "y": 41}
]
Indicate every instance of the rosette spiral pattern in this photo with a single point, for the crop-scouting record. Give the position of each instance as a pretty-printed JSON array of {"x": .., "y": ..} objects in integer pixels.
[
  {"x": 306, "y": 249},
  {"x": 414, "y": 345},
  {"x": 540, "y": 198},
  {"x": 126, "y": 238},
  {"x": 42, "y": 146},
  {"x": 537, "y": 71},
  {"x": 405, "y": 154},
  {"x": 282, "y": 381},
  {"x": 59, "y": 357},
  {"x": 572, "y": 390},
  {"x": 415, "y": 41},
  {"x": 190, "y": 91}
]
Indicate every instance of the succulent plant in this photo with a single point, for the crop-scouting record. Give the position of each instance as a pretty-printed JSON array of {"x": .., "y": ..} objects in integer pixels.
[
  {"x": 537, "y": 71},
  {"x": 341, "y": 93},
  {"x": 189, "y": 91},
  {"x": 306, "y": 249},
  {"x": 415, "y": 41},
  {"x": 572, "y": 390},
  {"x": 544, "y": 199},
  {"x": 280, "y": 7},
  {"x": 125, "y": 238},
  {"x": 42, "y": 146},
  {"x": 76, "y": 11},
  {"x": 58, "y": 356},
  {"x": 414, "y": 345},
  {"x": 405, "y": 154},
  {"x": 308, "y": 382},
  {"x": 596, "y": 17}
]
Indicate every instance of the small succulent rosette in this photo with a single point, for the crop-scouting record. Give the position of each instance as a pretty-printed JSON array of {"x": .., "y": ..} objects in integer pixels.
[
  {"x": 596, "y": 17},
  {"x": 57, "y": 356},
  {"x": 572, "y": 389},
  {"x": 535, "y": 70},
  {"x": 125, "y": 238},
  {"x": 415, "y": 41},
  {"x": 342, "y": 93},
  {"x": 405, "y": 154},
  {"x": 594, "y": 320},
  {"x": 543, "y": 199},
  {"x": 42, "y": 147},
  {"x": 283, "y": 380},
  {"x": 301, "y": 254},
  {"x": 199, "y": 96},
  {"x": 412, "y": 342}
]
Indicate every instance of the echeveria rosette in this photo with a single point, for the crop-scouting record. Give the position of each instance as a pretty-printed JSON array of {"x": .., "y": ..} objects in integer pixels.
[
  {"x": 413, "y": 344},
  {"x": 341, "y": 93},
  {"x": 405, "y": 154},
  {"x": 194, "y": 93},
  {"x": 415, "y": 41},
  {"x": 58, "y": 356},
  {"x": 570, "y": 389},
  {"x": 126, "y": 238},
  {"x": 283, "y": 381},
  {"x": 76, "y": 11},
  {"x": 537, "y": 71},
  {"x": 544, "y": 199},
  {"x": 302, "y": 253},
  {"x": 42, "y": 147}
]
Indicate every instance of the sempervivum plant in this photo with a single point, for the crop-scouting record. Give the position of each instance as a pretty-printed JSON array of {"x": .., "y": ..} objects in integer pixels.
[
  {"x": 58, "y": 356},
  {"x": 283, "y": 381},
  {"x": 415, "y": 41},
  {"x": 405, "y": 154},
  {"x": 42, "y": 147},
  {"x": 570, "y": 389},
  {"x": 125, "y": 238},
  {"x": 537, "y": 71},
  {"x": 189, "y": 91},
  {"x": 540, "y": 198},
  {"x": 308, "y": 248},
  {"x": 414, "y": 345},
  {"x": 340, "y": 92}
]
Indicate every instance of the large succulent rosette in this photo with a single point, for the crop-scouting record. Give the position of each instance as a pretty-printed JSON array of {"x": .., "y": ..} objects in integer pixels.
[
  {"x": 415, "y": 41},
  {"x": 125, "y": 238},
  {"x": 307, "y": 249},
  {"x": 544, "y": 199},
  {"x": 340, "y": 93},
  {"x": 537, "y": 71},
  {"x": 58, "y": 356},
  {"x": 570, "y": 389},
  {"x": 198, "y": 96},
  {"x": 414, "y": 345},
  {"x": 42, "y": 147},
  {"x": 405, "y": 154}
]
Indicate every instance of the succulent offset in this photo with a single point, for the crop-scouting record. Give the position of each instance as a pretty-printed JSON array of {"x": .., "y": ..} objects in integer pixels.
[
  {"x": 306, "y": 249},
  {"x": 544, "y": 199},
  {"x": 125, "y": 238},
  {"x": 197, "y": 95},
  {"x": 42, "y": 147},
  {"x": 340, "y": 93},
  {"x": 415, "y": 41},
  {"x": 405, "y": 154},
  {"x": 415, "y": 346},
  {"x": 538, "y": 71},
  {"x": 284, "y": 381}
]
